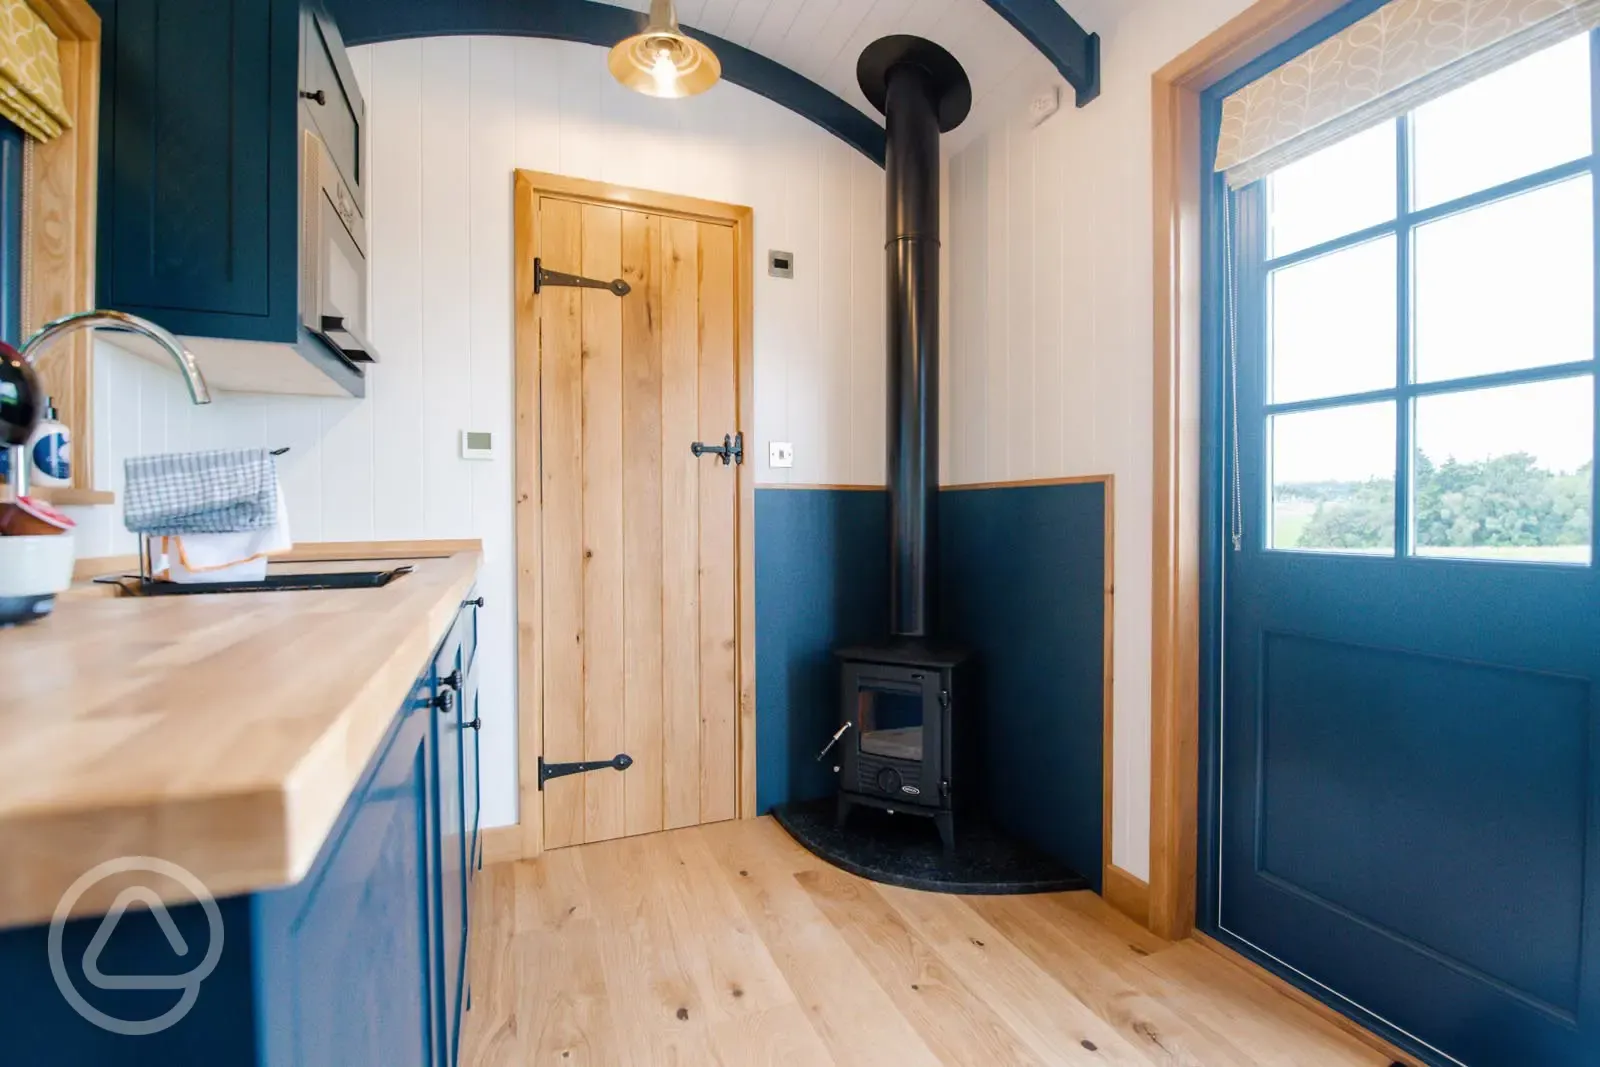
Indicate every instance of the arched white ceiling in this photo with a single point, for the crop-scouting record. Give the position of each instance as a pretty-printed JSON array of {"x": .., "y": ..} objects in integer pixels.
[{"x": 821, "y": 39}]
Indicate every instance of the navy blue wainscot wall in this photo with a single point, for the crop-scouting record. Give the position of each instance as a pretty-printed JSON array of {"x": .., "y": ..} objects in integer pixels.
[
  {"x": 1022, "y": 582},
  {"x": 822, "y": 580}
]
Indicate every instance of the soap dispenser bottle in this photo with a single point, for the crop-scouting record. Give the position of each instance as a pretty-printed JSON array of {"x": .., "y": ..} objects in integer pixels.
[{"x": 50, "y": 445}]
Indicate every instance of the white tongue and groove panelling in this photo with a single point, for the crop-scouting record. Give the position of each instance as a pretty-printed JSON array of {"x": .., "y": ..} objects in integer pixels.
[
  {"x": 1048, "y": 354},
  {"x": 449, "y": 120},
  {"x": 822, "y": 39}
]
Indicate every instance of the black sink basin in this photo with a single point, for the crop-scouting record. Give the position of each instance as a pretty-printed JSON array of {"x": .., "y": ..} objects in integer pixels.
[{"x": 133, "y": 585}]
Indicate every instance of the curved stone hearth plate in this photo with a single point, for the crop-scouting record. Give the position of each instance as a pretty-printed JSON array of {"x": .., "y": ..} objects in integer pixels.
[{"x": 904, "y": 850}]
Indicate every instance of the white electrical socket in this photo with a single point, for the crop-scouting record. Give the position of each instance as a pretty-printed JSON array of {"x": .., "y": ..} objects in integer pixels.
[
  {"x": 1044, "y": 104},
  {"x": 780, "y": 454}
]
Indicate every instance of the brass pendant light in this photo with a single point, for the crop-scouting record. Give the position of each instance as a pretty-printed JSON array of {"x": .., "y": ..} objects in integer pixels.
[{"x": 661, "y": 61}]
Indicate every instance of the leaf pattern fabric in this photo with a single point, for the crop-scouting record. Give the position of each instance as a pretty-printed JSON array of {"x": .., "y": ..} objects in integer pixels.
[
  {"x": 30, "y": 73},
  {"x": 1399, "y": 57}
]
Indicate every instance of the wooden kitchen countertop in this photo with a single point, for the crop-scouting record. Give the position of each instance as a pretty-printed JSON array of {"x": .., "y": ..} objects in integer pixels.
[{"x": 222, "y": 733}]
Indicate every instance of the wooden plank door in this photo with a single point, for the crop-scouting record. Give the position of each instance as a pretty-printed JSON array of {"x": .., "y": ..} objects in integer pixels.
[{"x": 639, "y": 565}]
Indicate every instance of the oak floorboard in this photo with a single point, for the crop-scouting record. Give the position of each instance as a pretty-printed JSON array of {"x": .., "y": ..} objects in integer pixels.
[
  {"x": 855, "y": 1018},
  {"x": 1198, "y": 983},
  {"x": 1095, "y": 973},
  {"x": 956, "y": 1024},
  {"x": 728, "y": 945},
  {"x": 778, "y": 1037},
  {"x": 1056, "y": 1025},
  {"x": 649, "y": 972},
  {"x": 736, "y": 974}
]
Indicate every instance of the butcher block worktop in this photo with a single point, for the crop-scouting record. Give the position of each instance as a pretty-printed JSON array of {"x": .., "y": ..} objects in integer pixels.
[{"x": 223, "y": 733}]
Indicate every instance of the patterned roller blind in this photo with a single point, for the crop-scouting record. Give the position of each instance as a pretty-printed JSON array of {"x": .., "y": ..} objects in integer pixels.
[
  {"x": 1399, "y": 57},
  {"x": 30, "y": 73}
]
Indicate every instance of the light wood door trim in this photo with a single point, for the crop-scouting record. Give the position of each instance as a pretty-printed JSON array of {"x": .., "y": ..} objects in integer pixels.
[
  {"x": 1175, "y": 644},
  {"x": 529, "y": 187},
  {"x": 59, "y": 189}
]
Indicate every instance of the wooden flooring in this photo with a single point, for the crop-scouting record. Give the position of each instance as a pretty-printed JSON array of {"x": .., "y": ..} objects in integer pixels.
[{"x": 730, "y": 946}]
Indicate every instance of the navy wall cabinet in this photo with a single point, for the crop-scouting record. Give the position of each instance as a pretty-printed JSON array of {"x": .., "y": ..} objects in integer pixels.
[
  {"x": 362, "y": 964},
  {"x": 200, "y": 163}
]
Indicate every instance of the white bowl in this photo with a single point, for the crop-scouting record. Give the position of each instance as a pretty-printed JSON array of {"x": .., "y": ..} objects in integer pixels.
[{"x": 36, "y": 566}]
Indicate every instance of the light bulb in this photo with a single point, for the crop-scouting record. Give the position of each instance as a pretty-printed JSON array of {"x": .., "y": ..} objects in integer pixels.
[{"x": 665, "y": 73}]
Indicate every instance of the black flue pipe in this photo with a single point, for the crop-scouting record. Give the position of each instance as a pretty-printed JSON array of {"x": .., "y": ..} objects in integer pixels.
[
  {"x": 912, "y": 247},
  {"x": 922, "y": 91}
]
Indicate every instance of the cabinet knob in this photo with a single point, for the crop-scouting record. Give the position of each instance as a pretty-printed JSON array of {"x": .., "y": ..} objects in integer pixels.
[
  {"x": 475, "y": 724},
  {"x": 451, "y": 680},
  {"x": 445, "y": 702},
  {"x": 476, "y": 602},
  {"x": 319, "y": 97}
]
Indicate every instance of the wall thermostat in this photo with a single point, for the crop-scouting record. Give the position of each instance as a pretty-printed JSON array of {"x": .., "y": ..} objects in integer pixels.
[
  {"x": 477, "y": 444},
  {"x": 780, "y": 264}
]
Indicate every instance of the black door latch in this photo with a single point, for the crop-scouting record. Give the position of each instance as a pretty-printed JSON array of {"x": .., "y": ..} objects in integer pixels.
[
  {"x": 542, "y": 278},
  {"x": 731, "y": 450},
  {"x": 621, "y": 761}
]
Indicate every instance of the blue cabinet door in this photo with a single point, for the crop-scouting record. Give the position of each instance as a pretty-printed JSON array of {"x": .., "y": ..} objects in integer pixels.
[
  {"x": 449, "y": 669},
  {"x": 470, "y": 789},
  {"x": 345, "y": 959}
]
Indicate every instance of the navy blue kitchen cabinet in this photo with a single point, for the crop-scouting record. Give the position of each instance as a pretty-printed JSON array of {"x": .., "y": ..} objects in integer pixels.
[
  {"x": 203, "y": 107},
  {"x": 361, "y": 964},
  {"x": 449, "y": 666},
  {"x": 344, "y": 956}
]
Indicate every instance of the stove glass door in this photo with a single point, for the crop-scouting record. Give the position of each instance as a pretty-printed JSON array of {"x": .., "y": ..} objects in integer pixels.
[{"x": 889, "y": 716}]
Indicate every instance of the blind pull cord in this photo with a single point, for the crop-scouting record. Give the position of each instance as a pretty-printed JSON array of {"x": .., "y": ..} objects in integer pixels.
[{"x": 1230, "y": 314}]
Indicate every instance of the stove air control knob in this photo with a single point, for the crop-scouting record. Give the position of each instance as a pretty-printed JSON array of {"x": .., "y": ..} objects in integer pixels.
[{"x": 889, "y": 780}]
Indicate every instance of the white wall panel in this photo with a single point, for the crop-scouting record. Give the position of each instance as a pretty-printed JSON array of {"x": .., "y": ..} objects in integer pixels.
[
  {"x": 1050, "y": 347},
  {"x": 449, "y": 120}
]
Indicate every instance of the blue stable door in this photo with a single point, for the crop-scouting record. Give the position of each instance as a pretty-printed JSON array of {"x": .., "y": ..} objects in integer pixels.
[{"x": 1406, "y": 812}]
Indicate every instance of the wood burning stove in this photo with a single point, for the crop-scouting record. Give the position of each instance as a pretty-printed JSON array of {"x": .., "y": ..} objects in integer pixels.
[
  {"x": 906, "y": 728},
  {"x": 907, "y": 738}
]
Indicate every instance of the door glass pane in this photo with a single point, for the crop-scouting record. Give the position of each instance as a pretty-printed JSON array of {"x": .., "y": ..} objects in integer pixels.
[
  {"x": 890, "y": 721},
  {"x": 1333, "y": 479},
  {"x": 1344, "y": 188},
  {"x": 1518, "y": 121},
  {"x": 1506, "y": 473},
  {"x": 1508, "y": 285},
  {"x": 1333, "y": 323}
]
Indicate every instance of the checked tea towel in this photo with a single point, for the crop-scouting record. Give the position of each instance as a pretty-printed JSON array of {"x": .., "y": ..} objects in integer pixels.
[{"x": 222, "y": 491}]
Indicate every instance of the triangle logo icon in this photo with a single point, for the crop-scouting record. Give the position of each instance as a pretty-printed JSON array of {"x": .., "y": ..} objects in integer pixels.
[{"x": 146, "y": 897}]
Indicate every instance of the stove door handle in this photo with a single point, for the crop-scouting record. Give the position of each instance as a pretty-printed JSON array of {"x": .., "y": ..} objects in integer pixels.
[{"x": 834, "y": 740}]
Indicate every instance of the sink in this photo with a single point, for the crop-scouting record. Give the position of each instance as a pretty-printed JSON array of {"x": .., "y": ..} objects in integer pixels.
[{"x": 133, "y": 585}]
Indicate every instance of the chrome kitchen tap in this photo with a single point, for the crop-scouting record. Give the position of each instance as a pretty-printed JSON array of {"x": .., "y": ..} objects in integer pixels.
[{"x": 111, "y": 320}]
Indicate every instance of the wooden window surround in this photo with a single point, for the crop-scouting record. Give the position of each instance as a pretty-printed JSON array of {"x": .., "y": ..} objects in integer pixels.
[
  {"x": 58, "y": 210},
  {"x": 1175, "y": 645}
]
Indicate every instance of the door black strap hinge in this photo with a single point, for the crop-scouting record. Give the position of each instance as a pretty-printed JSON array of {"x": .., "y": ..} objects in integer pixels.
[
  {"x": 542, "y": 278},
  {"x": 621, "y": 761},
  {"x": 731, "y": 450}
]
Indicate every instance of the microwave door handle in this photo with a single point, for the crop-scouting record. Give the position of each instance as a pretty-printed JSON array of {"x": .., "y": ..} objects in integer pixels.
[{"x": 333, "y": 326}]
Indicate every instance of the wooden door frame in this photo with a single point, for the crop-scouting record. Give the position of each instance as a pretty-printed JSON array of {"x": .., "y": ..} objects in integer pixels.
[
  {"x": 528, "y": 842},
  {"x": 1175, "y": 604}
]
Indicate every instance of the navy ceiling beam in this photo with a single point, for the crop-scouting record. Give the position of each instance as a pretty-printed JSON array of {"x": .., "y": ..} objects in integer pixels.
[
  {"x": 371, "y": 21},
  {"x": 1074, "y": 51}
]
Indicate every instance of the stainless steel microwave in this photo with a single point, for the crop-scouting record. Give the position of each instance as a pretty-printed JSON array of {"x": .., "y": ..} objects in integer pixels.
[{"x": 333, "y": 266}]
